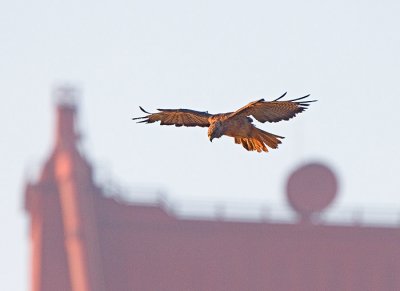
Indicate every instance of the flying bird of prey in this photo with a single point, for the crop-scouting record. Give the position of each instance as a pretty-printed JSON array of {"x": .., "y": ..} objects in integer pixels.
[{"x": 237, "y": 124}]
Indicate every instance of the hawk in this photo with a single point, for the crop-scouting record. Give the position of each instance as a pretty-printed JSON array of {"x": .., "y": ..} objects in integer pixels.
[{"x": 237, "y": 124}]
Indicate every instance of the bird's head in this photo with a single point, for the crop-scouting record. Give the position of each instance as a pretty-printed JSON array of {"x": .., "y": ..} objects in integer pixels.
[{"x": 215, "y": 130}]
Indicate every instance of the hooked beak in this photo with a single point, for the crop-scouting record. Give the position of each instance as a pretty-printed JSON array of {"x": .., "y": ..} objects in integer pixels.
[{"x": 211, "y": 138}]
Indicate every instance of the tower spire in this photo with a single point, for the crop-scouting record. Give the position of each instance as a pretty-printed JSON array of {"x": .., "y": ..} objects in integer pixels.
[{"x": 66, "y": 106}]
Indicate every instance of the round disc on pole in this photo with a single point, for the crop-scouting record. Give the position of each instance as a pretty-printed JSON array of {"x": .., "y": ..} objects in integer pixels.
[{"x": 311, "y": 188}]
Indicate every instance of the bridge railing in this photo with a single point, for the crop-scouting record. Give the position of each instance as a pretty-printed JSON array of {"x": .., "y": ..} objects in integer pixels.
[{"x": 252, "y": 210}]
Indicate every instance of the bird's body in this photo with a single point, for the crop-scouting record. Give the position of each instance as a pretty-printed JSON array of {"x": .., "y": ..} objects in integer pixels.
[
  {"x": 237, "y": 127},
  {"x": 238, "y": 124}
]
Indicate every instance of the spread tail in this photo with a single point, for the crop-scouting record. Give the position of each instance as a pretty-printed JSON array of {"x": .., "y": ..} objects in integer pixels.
[{"x": 259, "y": 140}]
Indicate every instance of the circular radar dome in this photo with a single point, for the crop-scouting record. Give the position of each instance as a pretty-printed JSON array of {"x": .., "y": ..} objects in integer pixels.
[{"x": 310, "y": 189}]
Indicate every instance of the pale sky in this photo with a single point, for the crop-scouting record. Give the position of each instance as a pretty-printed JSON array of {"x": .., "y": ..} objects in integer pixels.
[{"x": 202, "y": 55}]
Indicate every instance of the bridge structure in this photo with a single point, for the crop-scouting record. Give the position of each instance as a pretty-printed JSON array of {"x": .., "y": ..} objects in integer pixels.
[{"x": 82, "y": 239}]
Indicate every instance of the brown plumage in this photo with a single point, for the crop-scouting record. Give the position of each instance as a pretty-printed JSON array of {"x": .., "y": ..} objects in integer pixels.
[{"x": 236, "y": 124}]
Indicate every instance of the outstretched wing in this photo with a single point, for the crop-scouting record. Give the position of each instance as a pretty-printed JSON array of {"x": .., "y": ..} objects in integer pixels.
[
  {"x": 177, "y": 117},
  {"x": 273, "y": 111}
]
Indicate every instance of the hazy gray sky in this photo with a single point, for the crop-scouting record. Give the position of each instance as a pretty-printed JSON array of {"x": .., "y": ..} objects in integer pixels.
[{"x": 204, "y": 55}]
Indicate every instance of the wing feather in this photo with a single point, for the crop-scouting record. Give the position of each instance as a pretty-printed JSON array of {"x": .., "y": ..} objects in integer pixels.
[
  {"x": 177, "y": 117},
  {"x": 273, "y": 111}
]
